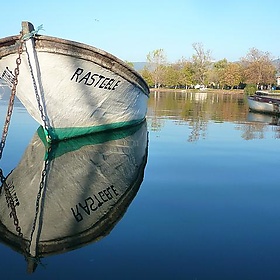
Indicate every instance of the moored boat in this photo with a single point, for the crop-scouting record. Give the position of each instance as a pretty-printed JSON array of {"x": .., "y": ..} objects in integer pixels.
[
  {"x": 71, "y": 194},
  {"x": 264, "y": 104},
  {"x": 70, "y": 88}
]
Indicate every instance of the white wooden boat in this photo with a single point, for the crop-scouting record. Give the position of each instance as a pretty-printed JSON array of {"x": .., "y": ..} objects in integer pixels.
[
  {"x": 70, "y": 88},
  {"x": 264, "y": 104},
  {"x": 73, "y": 194}
]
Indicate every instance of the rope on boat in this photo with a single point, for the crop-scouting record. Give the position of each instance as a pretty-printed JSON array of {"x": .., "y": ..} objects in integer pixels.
[{"x": 32, "y": 33}]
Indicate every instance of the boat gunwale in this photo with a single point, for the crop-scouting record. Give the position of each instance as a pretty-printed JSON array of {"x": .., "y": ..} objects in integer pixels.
[
  {"x": 256, "y": 104},
  {"x": 264, "y": 99},
  {"x": 49, "y": 44}
]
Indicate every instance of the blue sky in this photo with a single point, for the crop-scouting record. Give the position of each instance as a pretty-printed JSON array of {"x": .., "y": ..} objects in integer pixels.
[{"x": 131, "y": 29}]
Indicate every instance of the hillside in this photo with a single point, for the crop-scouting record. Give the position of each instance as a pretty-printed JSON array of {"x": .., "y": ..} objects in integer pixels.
[{"x": 138, "y": 66}]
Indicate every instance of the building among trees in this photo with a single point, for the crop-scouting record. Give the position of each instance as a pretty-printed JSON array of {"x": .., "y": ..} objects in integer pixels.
[{"x": 278, "y": 79}]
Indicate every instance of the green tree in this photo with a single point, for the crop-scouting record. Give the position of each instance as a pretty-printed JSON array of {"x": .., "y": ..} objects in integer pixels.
[
  {"x": 129, "y": 63},
  {"x": 147, "y": 76},
  {"x": 217, "y": 73},
  {"x": 201, "y": 62},
  {"x": 156, "y": 62},
  {"x": 250, "y": 89},
  {"x": 185, "y": 72},
  {"x": 171, "y": 76}
]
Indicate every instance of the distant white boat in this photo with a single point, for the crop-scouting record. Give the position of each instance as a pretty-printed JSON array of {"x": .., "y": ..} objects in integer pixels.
[
  {"x": 72, "y": 193},
  {"x": 70, "y": 88},
  {"x": 264, "y": 104}
]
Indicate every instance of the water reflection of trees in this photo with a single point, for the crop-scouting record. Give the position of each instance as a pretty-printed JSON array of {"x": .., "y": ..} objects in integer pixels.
[
  {"x": 198, "y": 109},
  {"x": 258, "y": 125}
]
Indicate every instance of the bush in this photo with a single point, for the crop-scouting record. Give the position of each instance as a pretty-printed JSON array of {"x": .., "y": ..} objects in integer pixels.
[{"x": 250, "y": 89}]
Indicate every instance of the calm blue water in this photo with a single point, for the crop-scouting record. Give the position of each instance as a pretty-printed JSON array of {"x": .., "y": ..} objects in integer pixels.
[{"x": 208, "y": 207}]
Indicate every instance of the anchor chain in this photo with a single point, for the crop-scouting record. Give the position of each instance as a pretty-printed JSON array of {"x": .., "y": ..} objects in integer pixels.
[
  {"x": 40, "y": 106},
  {"x": 42, "y": 188},
  {"x": 11, "y": 204},
  {"x": 8, "y": 194},
  {"x": 12, "y": 99}
]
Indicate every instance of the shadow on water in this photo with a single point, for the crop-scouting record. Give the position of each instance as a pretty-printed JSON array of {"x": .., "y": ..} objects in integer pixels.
[{"x": 71, "y": 194}]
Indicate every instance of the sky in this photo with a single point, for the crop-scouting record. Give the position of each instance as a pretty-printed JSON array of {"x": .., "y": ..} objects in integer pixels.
[{"x": 131, "y": 29}]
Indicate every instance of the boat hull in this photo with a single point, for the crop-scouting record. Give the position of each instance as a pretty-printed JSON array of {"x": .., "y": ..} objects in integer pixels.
[
  {"x": 81, "y": 89},
  {"x": 264, "y": 105}
]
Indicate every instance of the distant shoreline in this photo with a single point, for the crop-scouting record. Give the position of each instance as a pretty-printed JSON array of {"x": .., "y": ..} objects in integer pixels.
[{"x": 207, "y": 90}]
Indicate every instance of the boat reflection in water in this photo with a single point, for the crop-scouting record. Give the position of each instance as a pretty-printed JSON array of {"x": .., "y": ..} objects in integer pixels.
[
  {"x": 71, "y": 194},
  {"x": 264, "y": 118}
]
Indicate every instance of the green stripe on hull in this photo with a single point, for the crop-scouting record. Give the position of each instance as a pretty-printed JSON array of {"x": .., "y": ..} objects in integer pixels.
[
  {"x": 58, "y": 134},
  {"x": 61, "y": 147}
]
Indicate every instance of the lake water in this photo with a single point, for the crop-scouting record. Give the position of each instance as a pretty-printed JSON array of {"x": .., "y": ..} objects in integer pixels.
[{"x": 208, "y": 206}]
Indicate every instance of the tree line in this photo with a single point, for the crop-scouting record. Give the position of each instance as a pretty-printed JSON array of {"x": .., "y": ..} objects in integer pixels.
[{"x": 255, "y": 69}]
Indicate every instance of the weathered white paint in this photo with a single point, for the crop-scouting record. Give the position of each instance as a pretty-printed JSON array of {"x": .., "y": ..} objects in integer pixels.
[
  {"x": 74, "y": 103},
  {"x": 261, "y": 106}
]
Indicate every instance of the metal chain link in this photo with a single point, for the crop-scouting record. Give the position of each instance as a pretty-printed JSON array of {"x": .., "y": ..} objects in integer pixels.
[
  {"x": 40, "y": 106},
  {"x": 12, "y": 99},
  {"x": 4, "y": 137},
  {"x": 11, "y": 204},
  {"x": 2, "y": 145},
  {"x": 40, "y": 191},
  {"x": 42, "y": 186},
  {"x": 13, "y": 213}
]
